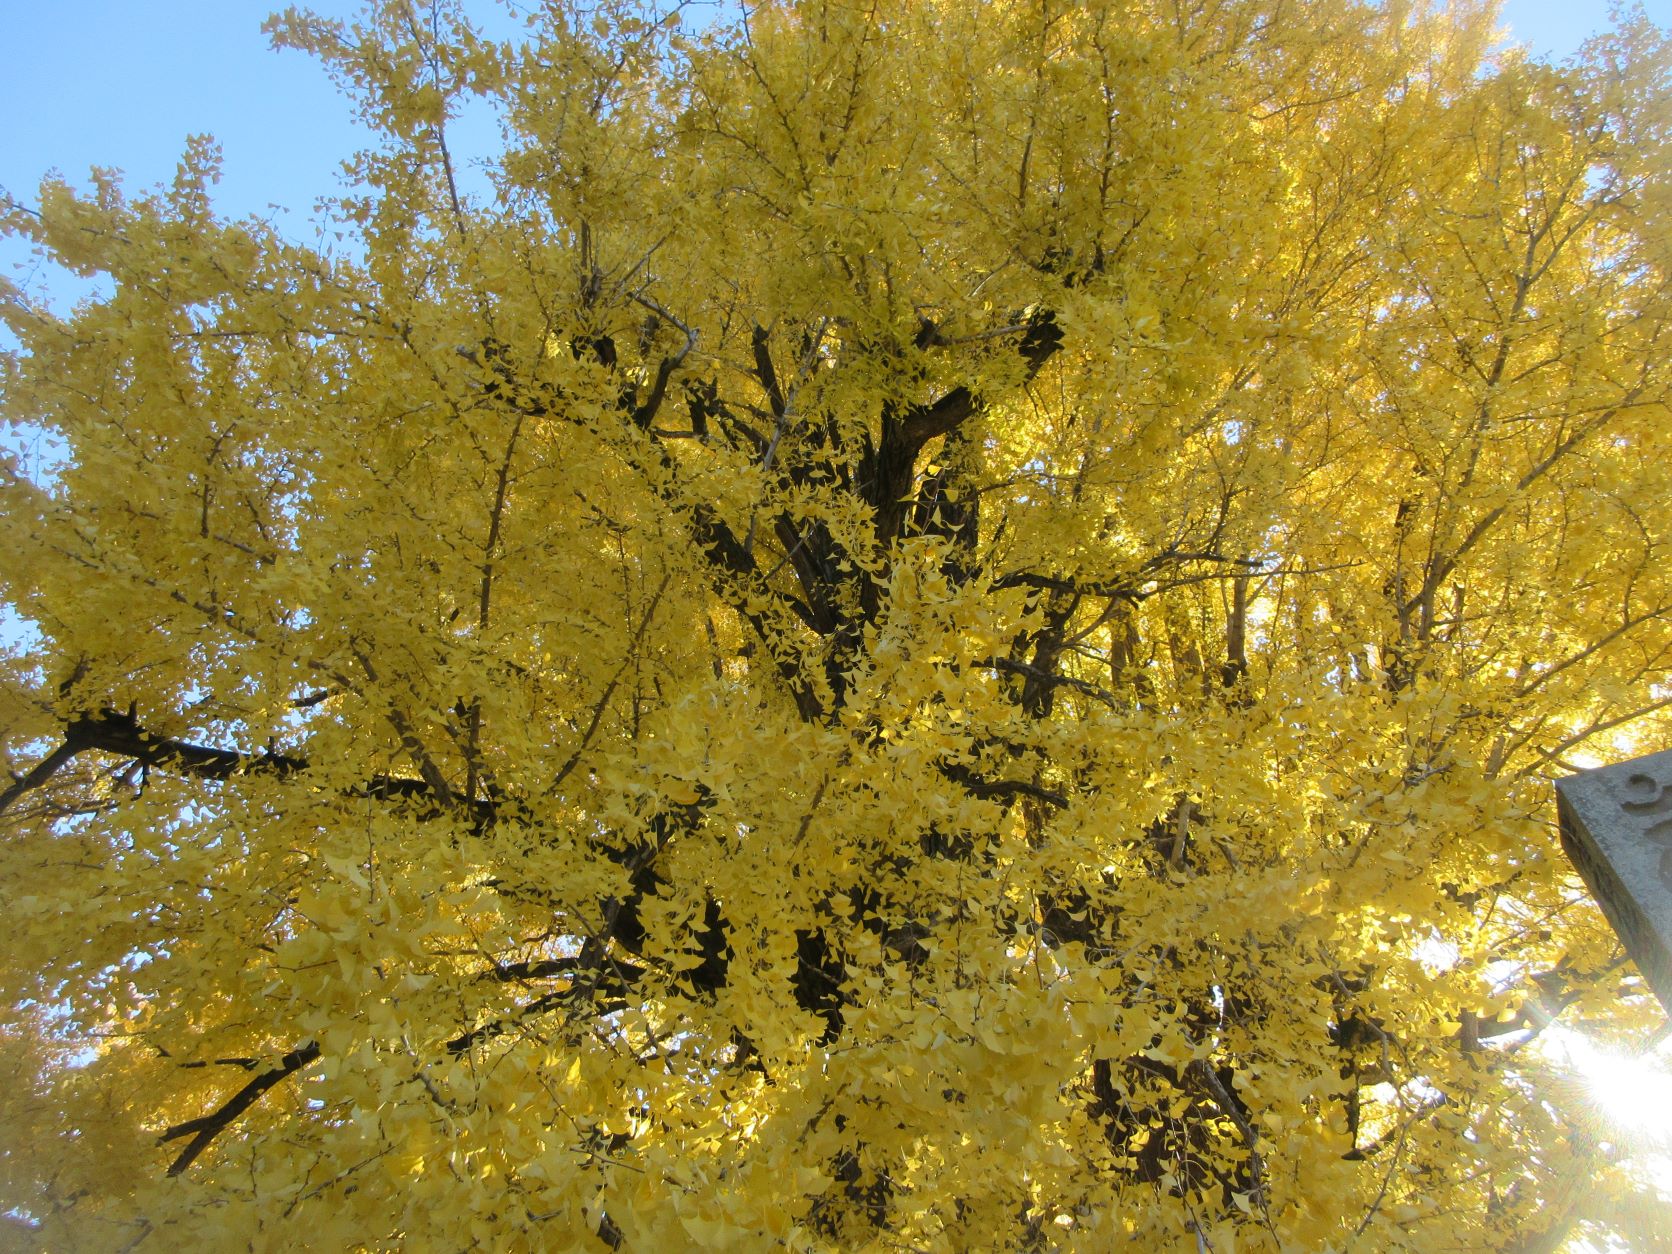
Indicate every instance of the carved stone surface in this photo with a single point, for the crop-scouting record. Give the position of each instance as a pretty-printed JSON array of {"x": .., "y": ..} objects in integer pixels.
[{"x": 1617, "y": 827}]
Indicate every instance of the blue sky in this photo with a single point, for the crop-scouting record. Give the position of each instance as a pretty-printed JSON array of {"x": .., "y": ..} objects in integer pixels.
[{"x": 119, "y": 83}]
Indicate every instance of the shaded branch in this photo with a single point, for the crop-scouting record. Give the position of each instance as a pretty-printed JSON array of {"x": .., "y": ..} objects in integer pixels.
[
  {"x": 758, "y": 341},
  {"x": 410, "y": 740},
  {"x": 1041, "y": 338},
  {"x": 204, "y": 1130},
  {"x": 540, "y": 1005},
  {"x": 112, "y": 731},
  {"x": 645, "y": 412},
  {"x": 1075, "y": 587},
  {"x": 603, "y": 702},
  {"x": 976, "y": 786},
  {"x": 115, "y": 732},
  {"x": 43, "y": 770},
  {"x": 547, "y": 969},
  {"x": 1130, "y": 587},
  {"x": 1027, "y": 671},
  {"x": 1234, "y": 1110}
]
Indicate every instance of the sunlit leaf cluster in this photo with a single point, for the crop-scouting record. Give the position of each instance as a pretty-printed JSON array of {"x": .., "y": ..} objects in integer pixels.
[{"x": 922, "y": 626}]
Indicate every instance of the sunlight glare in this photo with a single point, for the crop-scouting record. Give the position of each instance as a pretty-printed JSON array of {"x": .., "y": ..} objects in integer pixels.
[{"x": 1632, "y": 1093}]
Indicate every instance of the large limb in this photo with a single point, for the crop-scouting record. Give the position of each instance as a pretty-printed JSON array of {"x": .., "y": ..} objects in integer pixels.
[
  {"x": 112, "y": 731},
  {"x": 885, "y": 473}
]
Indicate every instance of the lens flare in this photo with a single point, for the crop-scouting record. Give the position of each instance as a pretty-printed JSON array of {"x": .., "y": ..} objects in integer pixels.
[{"x": 1631, "y": 1096}]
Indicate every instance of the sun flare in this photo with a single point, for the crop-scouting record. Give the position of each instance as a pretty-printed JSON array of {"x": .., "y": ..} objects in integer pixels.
[{"x": 1630, "y": 1095}]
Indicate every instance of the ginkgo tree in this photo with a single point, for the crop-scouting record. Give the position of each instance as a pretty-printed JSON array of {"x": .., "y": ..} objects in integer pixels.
[{"x": 936, "y": 626}]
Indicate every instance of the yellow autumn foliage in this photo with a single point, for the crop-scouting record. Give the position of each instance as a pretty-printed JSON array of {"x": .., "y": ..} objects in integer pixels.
[{"x": 940, "y": 626}]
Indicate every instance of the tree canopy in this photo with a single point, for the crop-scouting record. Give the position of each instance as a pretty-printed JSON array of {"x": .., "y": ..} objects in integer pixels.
[{"x": 935, "y": 627}]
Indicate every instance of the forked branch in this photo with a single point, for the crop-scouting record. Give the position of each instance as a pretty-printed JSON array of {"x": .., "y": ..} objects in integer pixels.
[{"x": 205, "y": 1129}]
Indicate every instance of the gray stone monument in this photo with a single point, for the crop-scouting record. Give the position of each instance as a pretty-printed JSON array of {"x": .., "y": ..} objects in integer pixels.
[{"x": 1617, "y": 827}]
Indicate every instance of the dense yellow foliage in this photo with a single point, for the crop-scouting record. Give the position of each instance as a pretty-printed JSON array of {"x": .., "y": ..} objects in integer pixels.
[{"x": 945, "y": 626}]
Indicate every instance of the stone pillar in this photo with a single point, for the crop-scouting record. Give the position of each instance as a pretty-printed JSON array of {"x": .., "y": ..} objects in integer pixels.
[{"x": 1617, "y": 827}]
